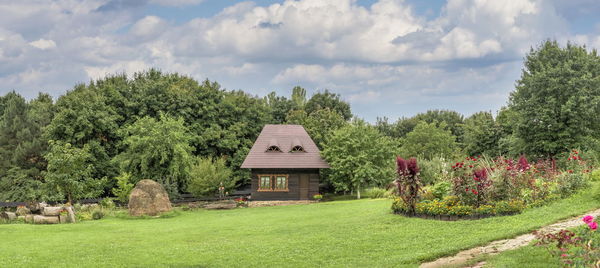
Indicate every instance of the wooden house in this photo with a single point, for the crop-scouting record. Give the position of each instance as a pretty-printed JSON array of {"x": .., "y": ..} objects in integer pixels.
[{"x": 285, "y": 164}]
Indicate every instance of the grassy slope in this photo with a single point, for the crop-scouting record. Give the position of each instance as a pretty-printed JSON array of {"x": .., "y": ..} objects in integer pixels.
[
  {"x": 343, "y": 233},
  {"x": 529, "y": 256}
]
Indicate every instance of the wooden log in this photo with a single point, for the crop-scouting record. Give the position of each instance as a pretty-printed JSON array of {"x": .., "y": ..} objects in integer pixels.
[
  {"x": 22, "y": 218},
  {"x": 11, "y": 216},
  {"x": 52, "y": 211},
  {"x": 71, "y": 214},
  {"x": 227, "y": 204},
  {"x": 29, "y": 218},
  {"x": 39, "y": 219},
  {"x": 63, "y": 218}
]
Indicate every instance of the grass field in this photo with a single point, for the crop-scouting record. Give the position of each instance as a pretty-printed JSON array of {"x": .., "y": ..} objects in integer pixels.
[{"x": 342, "y": 233}]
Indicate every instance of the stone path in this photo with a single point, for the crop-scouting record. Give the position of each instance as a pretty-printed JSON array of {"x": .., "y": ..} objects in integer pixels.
[{"x": 506, "y": 244}]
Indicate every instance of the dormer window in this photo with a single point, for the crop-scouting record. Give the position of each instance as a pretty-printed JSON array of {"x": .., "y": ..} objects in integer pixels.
[
  {"x": 296, "y": 146},
  {"x": 273, "y": 148}
]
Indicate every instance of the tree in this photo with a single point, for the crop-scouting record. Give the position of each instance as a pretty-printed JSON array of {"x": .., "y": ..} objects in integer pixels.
[
  {"x": 452, "y": 120},
  {"x": 557, "y": 99},
  {"x": 481, "y": 135},
  {"x": 22, "y": 147},
  {"x": 298, "y": 97},
  {"x": 429, "y": 140},
  {"x": 208, "y": 175},
  {"x": 70, "y": 172},
  {"x": 359, "y": 156},
  {"x": 280, "y": 107},
  {"x": 320, "y": 124},
  {"x": 158, "y": 150},
  {"x": 329, "y": 100}
]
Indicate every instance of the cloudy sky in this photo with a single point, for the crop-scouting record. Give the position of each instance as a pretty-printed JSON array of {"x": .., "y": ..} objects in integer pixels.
[{"x": 387, "y": 58}]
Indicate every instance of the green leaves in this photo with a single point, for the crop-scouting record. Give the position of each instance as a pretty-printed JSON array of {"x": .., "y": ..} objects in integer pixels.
[
  {"x": 359, "y": 156},
  {"x": 557, "y": 99},
  {"x": 158, "y": 150},
  {"x": 429, "y": 141},
  {"x": 208, "y": 175}
]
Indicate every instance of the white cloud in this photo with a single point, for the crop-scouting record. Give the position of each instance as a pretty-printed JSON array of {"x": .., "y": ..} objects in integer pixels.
[
  {"x": 43, "y": 44},
  {"x": 383, "y": 54}
]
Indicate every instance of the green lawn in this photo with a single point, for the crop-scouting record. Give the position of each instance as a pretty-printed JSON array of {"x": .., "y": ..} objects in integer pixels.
[
  {"x": 342, "y": 233},
  {"x": 529, "y": 256}
]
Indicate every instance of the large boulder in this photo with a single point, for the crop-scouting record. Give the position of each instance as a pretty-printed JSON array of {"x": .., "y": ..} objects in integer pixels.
[{"x": 148, "y": 198}]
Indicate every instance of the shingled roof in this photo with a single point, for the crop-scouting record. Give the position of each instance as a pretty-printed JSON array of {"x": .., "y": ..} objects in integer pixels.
[{"x": 285, "y": 137}]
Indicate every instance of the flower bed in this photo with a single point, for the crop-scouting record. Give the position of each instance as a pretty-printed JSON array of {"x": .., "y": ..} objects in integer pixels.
[{"x": 477, "y": 187}]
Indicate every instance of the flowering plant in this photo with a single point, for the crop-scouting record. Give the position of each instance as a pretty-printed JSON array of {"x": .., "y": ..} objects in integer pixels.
[
  {"x": 241, "y": 202},
  {"x": 579, "y": 248},
  {"x": 318, "y": 197},
  {"x": 408, "y": 182}
]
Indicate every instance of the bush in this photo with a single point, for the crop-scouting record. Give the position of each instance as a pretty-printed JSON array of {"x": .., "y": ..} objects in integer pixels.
[
  {"x": 208, "y": 175},
  {"x": 441, "y": 189},
  {"x": 108, "y": 203},
  {"x": 485, "y": 210},
  {"x": 569, "y": 183},
  {"x": 97, "y": 214},
  {"x": 434, "y": 170},
  {"x": 124, "y": 187},
  {"x": 509, "y": 207},
  {"x": 594, "y": 175},
  {"x": 460, "y": 210},
  {"x": 375, "y": 192},
  {"x": 318, "y": 197}
]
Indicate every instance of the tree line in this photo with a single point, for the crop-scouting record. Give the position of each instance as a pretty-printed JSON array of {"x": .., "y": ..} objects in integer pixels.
[{"x": 173, "y": 129}]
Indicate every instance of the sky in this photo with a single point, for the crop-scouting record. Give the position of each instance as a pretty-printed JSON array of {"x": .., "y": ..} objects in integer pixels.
[{"x": 388, "y": 58}]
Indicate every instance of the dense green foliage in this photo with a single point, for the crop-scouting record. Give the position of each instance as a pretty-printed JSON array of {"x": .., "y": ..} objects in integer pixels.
[
  {"x": 429, "y": 140},
  {"x": 359, "y": 157},
  {"x": 557, "y": 100},
  {"x": 70, "y": 172},
  {"x": 359, "y": 233},
  {"x": 551, "y": 112},
  {"x": 207, "y": 175},
  {"x": 157, "y": 149}
]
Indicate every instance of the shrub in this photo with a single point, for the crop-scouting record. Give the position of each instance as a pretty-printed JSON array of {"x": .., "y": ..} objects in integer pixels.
[
  {"x": 577, "y": 248},
  {"x": 318, "y": 197},
  {"x": 208, "y": 175},
  {"x": 427, "y": 193},
  {"x": 399, "y": 206},
  {"x": 595, "y": 175},
  {"x": 441, "y": 189},
  {"x": 434, "y": 170},
  {"x": 569, "y": 183},
  {"x": 375, "y": 192},
  {"x": 123, "y": 188},
  {"x": 108, "y": 203},
  {"x": 485, "y": 210},
  {"x": 509, "y": 207},
  {"x": 97, "y": 214},
  {"x": 460, "y": 210}
]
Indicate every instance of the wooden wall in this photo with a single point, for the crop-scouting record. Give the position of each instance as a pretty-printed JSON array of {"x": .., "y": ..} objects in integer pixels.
[{"x": 293, "y": 184}]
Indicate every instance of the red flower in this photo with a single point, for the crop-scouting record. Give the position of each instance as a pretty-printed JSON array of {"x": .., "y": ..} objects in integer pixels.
[{"x": 474, "y": 191}]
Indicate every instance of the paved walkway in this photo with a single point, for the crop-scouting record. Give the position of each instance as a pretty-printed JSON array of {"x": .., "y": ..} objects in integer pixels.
[{"x": 507, "y": 244}]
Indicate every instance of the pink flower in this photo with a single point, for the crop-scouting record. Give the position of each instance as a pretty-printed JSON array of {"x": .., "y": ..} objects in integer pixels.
[
  {"x": 593, "y": 225},
  {"x": 588, "y": 219},
  {"x": 564, "y": 255}
]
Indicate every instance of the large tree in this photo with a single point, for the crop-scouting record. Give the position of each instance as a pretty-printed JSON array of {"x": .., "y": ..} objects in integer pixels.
[
  {"x": 557, "y": 99},
  {"x": 359, "y": 157},
  {"x": 481, "y": 135},
  {"x": 158, "y": 150},
  {"x": 70, "y": 172},
  {"x": 320, "y": 124},
  {"x": 22, "y": 147},
  {"x": 429, "y": 140},
  {"x": 327, "y": 99}
]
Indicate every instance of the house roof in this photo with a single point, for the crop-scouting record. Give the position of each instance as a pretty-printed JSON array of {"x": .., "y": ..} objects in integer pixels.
[{"x": 285, "y": 137}]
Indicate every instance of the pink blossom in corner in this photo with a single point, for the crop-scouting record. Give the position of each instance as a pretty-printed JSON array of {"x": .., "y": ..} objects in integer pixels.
[
  {"x": 587, "y": 219},
  {"x": 593, "y": 225}
]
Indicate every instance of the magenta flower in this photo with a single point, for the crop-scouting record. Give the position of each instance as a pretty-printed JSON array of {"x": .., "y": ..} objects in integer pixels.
[
  {"x": 593, "y": 225},
  {"x": 588, "y": 219}
]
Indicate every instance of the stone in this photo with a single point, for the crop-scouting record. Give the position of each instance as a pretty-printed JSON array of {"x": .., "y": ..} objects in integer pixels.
[
  {"x": 23, "y": 210},
  {"x": 10, "y": 216},
  {"x": 225, "y": 204},
  {"x": 52, "y": 211},
  {"x": 39, "y": 219},
  {"x": 71, "y": 215},
  {"x": 148, "y": 198}
]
